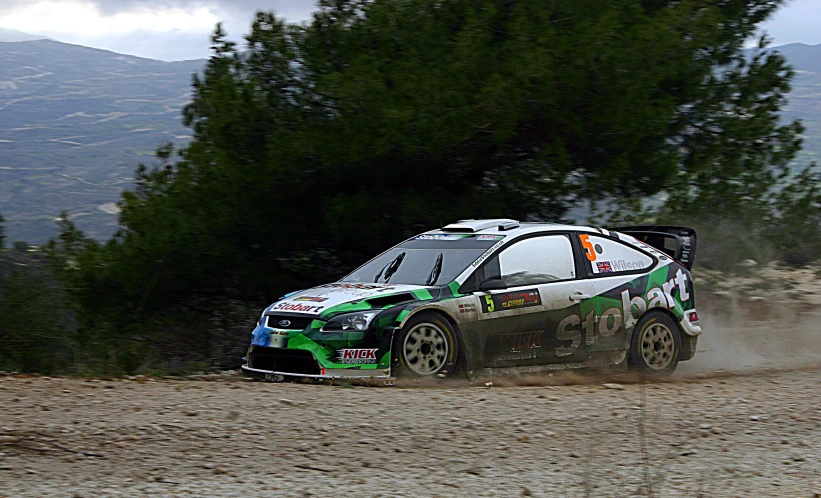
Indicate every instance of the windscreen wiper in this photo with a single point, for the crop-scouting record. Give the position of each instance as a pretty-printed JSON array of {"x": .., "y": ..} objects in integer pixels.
[
  {"x": 390, "y": 268},
  {"x": 435, "y": 271}
]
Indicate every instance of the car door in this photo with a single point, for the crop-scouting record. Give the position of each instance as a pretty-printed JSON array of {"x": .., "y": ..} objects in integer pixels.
[
  {"x": 619, "y": 274},
  {"x": 540, "y": 317}
]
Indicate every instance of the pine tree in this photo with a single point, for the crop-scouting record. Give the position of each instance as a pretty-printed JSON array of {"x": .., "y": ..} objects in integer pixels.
[
  {"x": 316, "y": 146},
  {"x": 2, "y": 232}
]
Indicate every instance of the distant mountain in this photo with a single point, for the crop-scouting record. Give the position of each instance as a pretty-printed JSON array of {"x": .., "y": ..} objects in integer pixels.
[
  {"x": 803, "y": 57},
  {"x": 12, "y": 35},
  {"x": 74, "y": 124}
]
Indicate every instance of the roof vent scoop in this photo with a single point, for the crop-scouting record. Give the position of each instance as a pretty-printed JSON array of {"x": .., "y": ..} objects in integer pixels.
[{"x": 473, "y": 226}]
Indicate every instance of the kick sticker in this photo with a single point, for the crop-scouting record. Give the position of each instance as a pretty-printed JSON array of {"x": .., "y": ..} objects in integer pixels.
[
  {"x": 520, "y": 346},
  {"x": 357, "y": 356},
  {"x": 511, "y": 300}
]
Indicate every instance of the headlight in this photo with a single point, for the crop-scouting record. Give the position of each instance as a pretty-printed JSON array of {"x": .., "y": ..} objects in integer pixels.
[{"x": 350, "y": 321}]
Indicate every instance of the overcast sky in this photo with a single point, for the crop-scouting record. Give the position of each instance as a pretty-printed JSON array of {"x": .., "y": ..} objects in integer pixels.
[{"x": 179, "y": 29}]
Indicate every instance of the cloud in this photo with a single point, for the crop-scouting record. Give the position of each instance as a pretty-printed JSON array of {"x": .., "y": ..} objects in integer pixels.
[
  {"x": 131, "y": 15},
  {"x": 291, "y": 9},
  {"x": 171, "y": 46},
  {"x": 83, "y": 18},
  {"x": 159, "y": 29}
]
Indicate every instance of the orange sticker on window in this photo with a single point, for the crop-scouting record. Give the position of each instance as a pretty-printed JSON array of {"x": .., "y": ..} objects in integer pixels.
[{"x": 588, "y": 246}]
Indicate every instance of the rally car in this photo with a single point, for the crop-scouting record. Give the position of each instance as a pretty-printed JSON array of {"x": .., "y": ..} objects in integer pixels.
[{"x": 481, "y": 295}]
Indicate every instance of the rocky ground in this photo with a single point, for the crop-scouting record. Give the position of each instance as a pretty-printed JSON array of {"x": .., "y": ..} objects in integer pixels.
[
  {"x": 709, "y": 435},
  {"x": 741, "y": 419}
]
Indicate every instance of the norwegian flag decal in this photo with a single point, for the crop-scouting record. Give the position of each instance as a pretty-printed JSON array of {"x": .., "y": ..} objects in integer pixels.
[{"x": 604, "y": 267}]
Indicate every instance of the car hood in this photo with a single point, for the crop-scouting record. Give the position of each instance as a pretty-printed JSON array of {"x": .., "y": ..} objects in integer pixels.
[{"x": 324, "y": 297}]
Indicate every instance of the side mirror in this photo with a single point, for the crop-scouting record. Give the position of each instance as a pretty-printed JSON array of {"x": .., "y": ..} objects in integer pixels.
[{"x": 493, "y": 284}]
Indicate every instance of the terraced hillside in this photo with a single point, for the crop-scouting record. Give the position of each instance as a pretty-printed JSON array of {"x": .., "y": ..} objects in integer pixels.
[{"x": 74, "y": 124}]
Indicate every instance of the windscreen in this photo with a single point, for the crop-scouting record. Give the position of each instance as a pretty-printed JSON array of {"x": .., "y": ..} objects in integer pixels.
[{"x": 425, "y": 260}]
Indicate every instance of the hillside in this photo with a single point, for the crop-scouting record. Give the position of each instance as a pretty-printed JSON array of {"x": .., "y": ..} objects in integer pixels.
[
  {"x": 74, "y": 124},
  {"x": 12, "y": 35},
  {"x": 805, "y": 100}
]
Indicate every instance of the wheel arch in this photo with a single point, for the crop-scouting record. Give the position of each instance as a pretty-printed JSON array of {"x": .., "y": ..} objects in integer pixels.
[
  {"x": 463, "y": 351},
  {"x": 664, "y": 311},
  {"x": 441, "y": 311},
  {"x": 429, "y": 307}
]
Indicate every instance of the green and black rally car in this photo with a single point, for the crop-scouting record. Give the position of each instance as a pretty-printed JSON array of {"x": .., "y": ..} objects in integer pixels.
[{"x": 491, "y": 294}]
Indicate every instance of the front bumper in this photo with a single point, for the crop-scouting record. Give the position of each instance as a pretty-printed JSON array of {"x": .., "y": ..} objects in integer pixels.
[
  {"x": 271, "y": 363},
  {"x": 327, "y": 374}
]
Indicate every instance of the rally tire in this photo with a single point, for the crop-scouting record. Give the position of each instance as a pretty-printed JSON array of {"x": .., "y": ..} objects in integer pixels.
[
  {"x": 656, "y": 344},
  {"x": 427, "y": 346}
]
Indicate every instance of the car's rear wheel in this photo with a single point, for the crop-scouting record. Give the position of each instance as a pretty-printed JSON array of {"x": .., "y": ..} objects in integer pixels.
[
  {"x": 427, "y": 346},
  {"x": 656, "y": 344}
]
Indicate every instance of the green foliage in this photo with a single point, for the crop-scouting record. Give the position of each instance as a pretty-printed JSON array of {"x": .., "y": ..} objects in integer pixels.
[
  {"x": 36, "y": 319},
  {"x": 326, "y": 142},
  {"x": 737, "y": 151},
  {"x": 733, "y": 181},
  {"x": 794, "y": 223},
  {"x": 782, "y": 223},
  {"x": 2, "y": 232}
]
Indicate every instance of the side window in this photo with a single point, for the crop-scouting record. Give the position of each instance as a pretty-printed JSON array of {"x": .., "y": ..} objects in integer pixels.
[
  {"x": 609, "y": 256},
  {"x": 537, "y": 260}
]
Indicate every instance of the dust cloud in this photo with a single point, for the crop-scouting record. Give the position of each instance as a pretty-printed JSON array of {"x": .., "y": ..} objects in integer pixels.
[{"x": 753, "y": 335}]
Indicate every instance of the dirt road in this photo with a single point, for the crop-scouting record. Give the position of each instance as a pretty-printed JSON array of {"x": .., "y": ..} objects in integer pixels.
[{"x": 748, "y": 435}]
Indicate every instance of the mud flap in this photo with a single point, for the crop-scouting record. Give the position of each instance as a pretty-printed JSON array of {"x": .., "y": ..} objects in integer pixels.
[{"x": 689, "y": 343}]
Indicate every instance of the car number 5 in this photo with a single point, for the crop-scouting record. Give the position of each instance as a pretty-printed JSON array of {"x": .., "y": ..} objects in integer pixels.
[
  {"x": 590, "y": 250},
  {"x": 490, "y": 306}
]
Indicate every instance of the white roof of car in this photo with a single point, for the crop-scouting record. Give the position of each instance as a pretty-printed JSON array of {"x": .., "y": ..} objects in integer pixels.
[{"x": 503, "y": 226}]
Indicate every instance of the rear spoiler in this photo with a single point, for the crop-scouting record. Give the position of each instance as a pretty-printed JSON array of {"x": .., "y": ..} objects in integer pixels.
[{"x": 677, "y": 242}]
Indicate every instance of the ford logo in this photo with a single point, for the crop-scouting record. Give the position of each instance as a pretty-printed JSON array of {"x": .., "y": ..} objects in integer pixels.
[{"x": 285, "y": 323}]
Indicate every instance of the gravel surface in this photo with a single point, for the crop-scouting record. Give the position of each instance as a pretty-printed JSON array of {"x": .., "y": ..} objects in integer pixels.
[
  {"x": 742, "y": 419},
  {"x": 721, "y": 435}
]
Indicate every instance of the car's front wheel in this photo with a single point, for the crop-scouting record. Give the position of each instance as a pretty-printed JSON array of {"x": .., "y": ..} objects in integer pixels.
[
  {"x": 427, "y": 346},
  {"x": 656, "y": 344}
]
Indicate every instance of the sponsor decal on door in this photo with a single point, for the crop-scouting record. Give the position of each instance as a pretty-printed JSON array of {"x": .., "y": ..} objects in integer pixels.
[{"x": 511, "y": 300}]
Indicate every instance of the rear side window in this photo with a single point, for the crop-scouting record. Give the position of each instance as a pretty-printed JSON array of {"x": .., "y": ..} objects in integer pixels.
[
  {"x": 605, "y": 255},
  {"x": 537, "y": 260}
]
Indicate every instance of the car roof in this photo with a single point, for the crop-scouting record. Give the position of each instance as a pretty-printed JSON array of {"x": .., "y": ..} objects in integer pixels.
[{"x": 507, "y": 227}]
